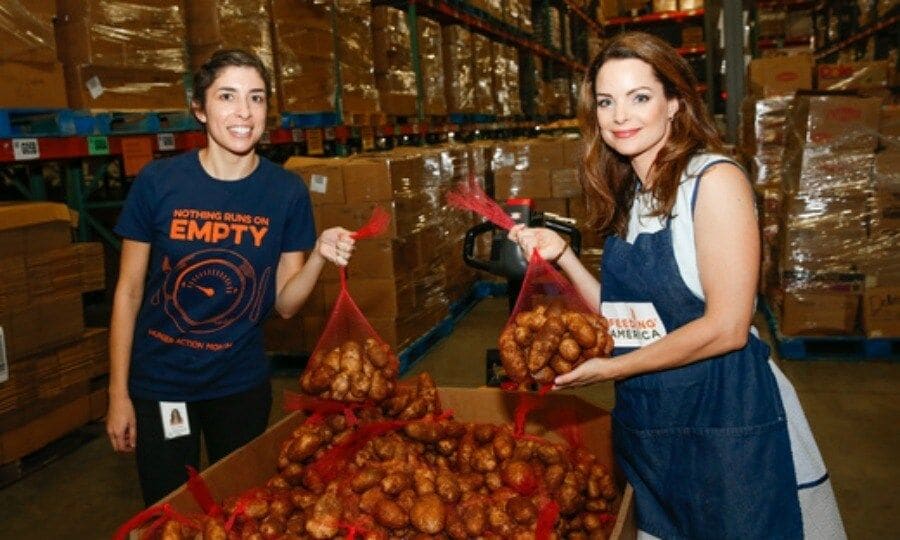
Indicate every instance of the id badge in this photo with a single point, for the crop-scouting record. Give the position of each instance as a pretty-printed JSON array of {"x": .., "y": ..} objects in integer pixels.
[{"x": 174, "y": 419}]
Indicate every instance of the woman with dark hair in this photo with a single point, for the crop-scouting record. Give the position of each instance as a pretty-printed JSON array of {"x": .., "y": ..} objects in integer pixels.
[
  {"x": 212, "y": 241},
  {"x": 708, "y": 431}
]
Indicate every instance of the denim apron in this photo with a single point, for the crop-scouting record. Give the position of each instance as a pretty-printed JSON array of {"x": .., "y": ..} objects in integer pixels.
[{"x": 706, "y": 445}]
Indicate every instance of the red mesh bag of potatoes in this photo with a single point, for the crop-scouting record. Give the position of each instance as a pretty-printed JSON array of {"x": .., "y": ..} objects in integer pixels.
[
  {"x": 551, "y": 330},
  {"x": 351, "y": 363}
]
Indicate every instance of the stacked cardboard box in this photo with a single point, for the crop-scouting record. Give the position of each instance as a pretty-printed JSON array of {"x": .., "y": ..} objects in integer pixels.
[
  {"x": 30, "y": 75},
  {"x": 829, "y": 154},
  {"x": 494, "y": 8},
  {"x": 507, "y": 99},
  {"x": 517, "y": 13},
  {"x": 405, "y": 280},
  {"x": 394, "y": 73},
  {"x": 483, "y": 74},
  {"x": 763, "y": 135},
  {"x": 881, "y": 262},
  {"x": 306, "y": 48},
  {"x": 230, "y": 24},
  {"x": 459, "y": 75},
  {"x": 53, "y": 364},
  {"x": 122, "y": 55},
  {"x": 353, "y": 26},
  {"x": 431, "y": 58},
  {"x": 559, "y": 94}
]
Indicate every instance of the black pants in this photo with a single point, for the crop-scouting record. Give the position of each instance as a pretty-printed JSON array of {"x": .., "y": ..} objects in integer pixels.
[{"x": 226, "y": 424}]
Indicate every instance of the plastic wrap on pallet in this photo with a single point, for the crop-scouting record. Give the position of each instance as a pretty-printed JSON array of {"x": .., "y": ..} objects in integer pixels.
[
  {"x": 854, "y": 75},
  {"x": 355, "y": 53},
  {"x": 431, "y": 58},
  {"x": 392, "y": 50},
  {"x": 507, "y": 100},
  {"x": 231, "y": 24},
  {"x": 459, "y": 69},
  {"x": 483, "y": 74},
  {"x": 128, "y": 35},
  {"x": 26, "y": 31},
  {"x": 526, "y": 22},
  {"x": 882, "y": 259},
  {"x": 304, "y": 45},
  {"x": 839, "y": 122},
  {"x": 560, "y": 96},
  {"x": 763, "y": 135}
]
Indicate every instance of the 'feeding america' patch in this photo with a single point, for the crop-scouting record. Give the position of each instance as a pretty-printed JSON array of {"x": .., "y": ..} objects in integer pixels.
[{"x": 633, "y": 324}]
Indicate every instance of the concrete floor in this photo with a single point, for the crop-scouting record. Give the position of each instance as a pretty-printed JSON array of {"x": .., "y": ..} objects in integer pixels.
[{"x": 853, "y": 407}]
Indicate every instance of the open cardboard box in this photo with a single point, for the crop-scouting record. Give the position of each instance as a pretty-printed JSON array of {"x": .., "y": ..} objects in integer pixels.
[{"x": 254, "y": 463}]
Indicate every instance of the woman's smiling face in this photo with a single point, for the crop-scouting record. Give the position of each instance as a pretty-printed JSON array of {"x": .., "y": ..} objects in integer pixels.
[
  {"x": 632, "y": 109},
  {"x": 235, "y": 110}
]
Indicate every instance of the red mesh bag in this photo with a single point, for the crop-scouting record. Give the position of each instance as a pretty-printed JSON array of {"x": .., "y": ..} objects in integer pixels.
[
  {"x": 351, "y": 362},
  {"x": 551, "y": 330}
]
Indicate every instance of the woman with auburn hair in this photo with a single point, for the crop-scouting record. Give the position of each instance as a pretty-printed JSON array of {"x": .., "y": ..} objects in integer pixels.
[{"x": 707, "y": 429}]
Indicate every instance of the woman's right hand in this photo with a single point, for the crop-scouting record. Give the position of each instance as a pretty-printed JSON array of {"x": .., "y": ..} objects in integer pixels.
[
  {"x": 549, "y": 244},
  {"x": 121, "y": 425}
]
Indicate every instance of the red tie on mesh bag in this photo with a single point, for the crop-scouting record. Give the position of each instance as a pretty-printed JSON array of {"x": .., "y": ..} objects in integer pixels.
[
  {"x": 351, "y": 363},
  {"x": 551, "y": 330},
  {"x": 470, "y": 196}
]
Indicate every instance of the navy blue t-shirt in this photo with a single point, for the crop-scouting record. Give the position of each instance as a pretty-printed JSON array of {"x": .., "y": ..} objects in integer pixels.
[{"x": 215, "y": 247}]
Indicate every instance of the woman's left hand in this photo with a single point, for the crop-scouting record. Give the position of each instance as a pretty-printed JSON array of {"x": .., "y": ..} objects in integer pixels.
[
  {"x": 336, "y": 245},
  {"x": 592, "y": 371}
]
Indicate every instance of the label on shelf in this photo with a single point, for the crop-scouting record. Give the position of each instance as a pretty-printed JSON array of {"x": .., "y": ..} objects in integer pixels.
[
  {"x": 165, "y": 141},
  {"x": 4, "y": 365},
  {"x": 136, "y": 152},
  {"x": 98, "y": 145},
  {"x": 329, "y": 133},
  {"x": 314, "y": 142},
  {"x": 367, "y": 134},
  {"x": 26, "y": 149},
  {"x": 297, "y": 135}
]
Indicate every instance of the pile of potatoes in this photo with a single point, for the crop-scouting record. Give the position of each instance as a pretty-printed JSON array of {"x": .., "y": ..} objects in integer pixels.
[
  {"x": 550, "y": 340},
  {"x": 353, "y": 372},
  {"x": 431, "y": 478}
]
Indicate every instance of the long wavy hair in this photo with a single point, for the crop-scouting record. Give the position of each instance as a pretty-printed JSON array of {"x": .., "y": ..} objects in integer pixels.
[{"x": 609, "y": 181}]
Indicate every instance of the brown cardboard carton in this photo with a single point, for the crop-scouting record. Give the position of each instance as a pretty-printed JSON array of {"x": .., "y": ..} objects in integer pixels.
[
  {"x": 854, "y": 75},
  {"x": 122, "y": 89},
  {"x": 881, "y": 312},
  {"x": 552, "y": 206},
  {"x": 32, "y": 228},
  {"x": 372, "y": 179},
  {"x": 665, "y": 5},
  {"x": 114, "y": 33},
  {"x": 533, "y": 183},
  {"x": 26, "y": 31},
  {"x": 819, "y": 312},
  {"x": 565, "y": 183},
  {"x": 381, "y": 297},
  {"x": 381, "y": 258},
  {"x": 780, "y": 75},
  {"x": 836, "y": 121},
  {"x": 24, "y": 440},
  {"x": 28, "y": 85},
  {"x": 255, "y": 463},
  {"x": 323, "y": 176}
]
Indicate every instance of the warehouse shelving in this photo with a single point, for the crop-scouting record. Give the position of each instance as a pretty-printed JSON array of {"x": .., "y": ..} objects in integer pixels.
[
  {"x": 863, "y": 33},
  {"x": 657, "y": 17}
]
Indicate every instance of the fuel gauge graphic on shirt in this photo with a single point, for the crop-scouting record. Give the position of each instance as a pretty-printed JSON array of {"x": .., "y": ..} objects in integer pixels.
[{"x": 208, "y": 290}]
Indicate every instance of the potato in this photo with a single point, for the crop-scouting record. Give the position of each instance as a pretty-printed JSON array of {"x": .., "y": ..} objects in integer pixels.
[
  {"x": 394, "y": 483},
  {"x": 560, "y": 365},
  {"x": 366, "y": 478},
  {"x": 520, "y": 476},
  {"x": 428, "y": 514},
  {"x": 447, "y": 487},
  {"x": 569, "y": 350},
  {"x": 390, "y": 514},
  {"x": 523, "y": 336},
  {"x": 272, "y": 527},
  {"x": 522, "y": 510},
  {"x": 379, "y": 353},
  {"x": 332, "y": 360}
]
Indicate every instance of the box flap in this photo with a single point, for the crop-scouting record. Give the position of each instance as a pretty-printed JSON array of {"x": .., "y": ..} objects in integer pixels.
[{"x": 15, "y": 215}]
